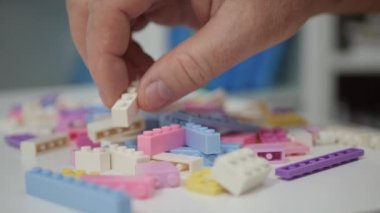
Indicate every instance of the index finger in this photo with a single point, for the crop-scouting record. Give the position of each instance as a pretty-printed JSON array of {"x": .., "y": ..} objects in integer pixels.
[{"x": 107, "y": 40}]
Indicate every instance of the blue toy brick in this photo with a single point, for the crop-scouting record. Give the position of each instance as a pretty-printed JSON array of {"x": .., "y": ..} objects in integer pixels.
[
  {"x": 202, "y": 138},
  {"x": 132, "y": 144},
  {"x": 224, "y": 124},
  {"x": 74, "y": 193},
  {"x": 208, "y": 160},
  {"x": 187, "y": 151},
  {"x": 230, "y": 147}
]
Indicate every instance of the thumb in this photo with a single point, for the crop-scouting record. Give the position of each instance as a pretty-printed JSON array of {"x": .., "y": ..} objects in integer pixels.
[{"x": 219, "y": 45}]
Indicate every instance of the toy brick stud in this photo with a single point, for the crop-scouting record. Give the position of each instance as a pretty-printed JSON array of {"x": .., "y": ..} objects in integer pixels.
[{"x": 240, "y": 171}]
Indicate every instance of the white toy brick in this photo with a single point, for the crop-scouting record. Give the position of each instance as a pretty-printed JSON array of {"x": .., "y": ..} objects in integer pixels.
[
  {"x": 301, "y": 136},
  {"x": 191, "y": 163},
  {"x": 32, "y": 147},
  {"x": 124, "y": 160},
  {"x": 125, "y": 110},
  {"x": 240, "y": 171},
  {"x": 104, "y": 128},
  {"x": 325, "y": 137},
  {"x": 92, "y": 160},
  {"x": 118, "y": 139}
]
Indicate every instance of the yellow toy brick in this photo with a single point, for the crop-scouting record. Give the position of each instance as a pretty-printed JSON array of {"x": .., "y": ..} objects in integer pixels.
[
  {"x": 202, "y": 182},
  {"x": 76, "y": 173}
]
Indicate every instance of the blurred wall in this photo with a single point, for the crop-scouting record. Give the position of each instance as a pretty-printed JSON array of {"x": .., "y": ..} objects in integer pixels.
[{"x": 36, "y": 48}]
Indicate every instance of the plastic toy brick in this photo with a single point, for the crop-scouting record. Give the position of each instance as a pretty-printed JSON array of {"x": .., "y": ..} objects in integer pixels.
[
  {"x": 301, "y": 136},
  {"x": 104, "y": 128},
  {"x": 183, "y": 117},
  {"x": 76, "y": 194},
  {"x": 161, "y": 140},
  {"x": 242, "y": 138},
  {"x": 15, "y": 140},
  {"x": 208, "y": 160},
  {"x": 74, "y": 133},
  {"x": 294, "y": 148},
  {"x": 240, "y": 171},
  {"x": 202, "y": 138},
  {"x": 273, "y": 135},
  {"x": 67, "y": 172},
  {"x": 164, "y": 173},
  {"x": 193, "y": 163},
  {"x": 139, "y": 187},
  {"x": 32, "y": 147},
  {"x": 317, "y": 164},
  {"x": 97, "y": 159},
  {"x": 285, "y": 120},
  {"x": 187, "y": 151},
  {"x": 118, "y": 139},
  {"x": 202, "y": 182},
  {"x": 125, "y": 110},
  {"x": 230, "y": 147},
  {"x": 84, "y": 140},
  {"x": 273, "y": 153},
  {"x": 324, "y": 137},
  {"x": 125, "y": 160},
  {"x": 131, "y": 143}
]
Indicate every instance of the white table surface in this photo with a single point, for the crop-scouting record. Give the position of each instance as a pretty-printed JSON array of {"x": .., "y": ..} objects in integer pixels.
[{"x": 353, "y": 187}]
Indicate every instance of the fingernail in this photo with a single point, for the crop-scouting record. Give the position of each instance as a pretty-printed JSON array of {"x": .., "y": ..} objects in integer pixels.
[{"x": 157, "y": 94}]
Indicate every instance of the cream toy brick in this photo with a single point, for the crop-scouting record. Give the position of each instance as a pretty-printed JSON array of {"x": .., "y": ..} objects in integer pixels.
[
  {"x": 301, "y": 136},
  {"x": 240, "y": 171},
  {"x": 183, "y": 162},
  {"x": 326, "y": 137},
  {"x": 92, "y": 160},
  {"x": 124, "y": 160},
  {"x": 125, "y": 110},
  {"x": 32, "y": 147},
  {"x": 98, "y": 130}
]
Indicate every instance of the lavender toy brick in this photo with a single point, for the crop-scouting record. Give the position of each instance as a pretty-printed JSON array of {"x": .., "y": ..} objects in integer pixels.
[
  {"x": 317, "y": 164},
  {"x": 183, "y": 117},
  {"x": 76, "y": 194},
  {"x": 16, "y": 139},
  {"x": 202, "y": 138}
]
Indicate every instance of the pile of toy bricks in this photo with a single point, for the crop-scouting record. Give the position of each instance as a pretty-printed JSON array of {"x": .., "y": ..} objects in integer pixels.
[{"x": 120, "y": 154}]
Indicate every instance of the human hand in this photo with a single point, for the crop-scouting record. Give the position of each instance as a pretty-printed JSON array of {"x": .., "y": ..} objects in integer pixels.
[{"x": 228, "y": 32}]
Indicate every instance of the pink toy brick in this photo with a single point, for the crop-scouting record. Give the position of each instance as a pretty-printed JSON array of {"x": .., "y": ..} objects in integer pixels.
[
  {"x": 273, "y": 135},
  {"x": 242, "y": 138},
  {"x": 84, "y": 140},
  {"x": 294, "y": 148},
  {"x": 274, "y": 153},
  {"x": 139, "y": 187},
  {"x": 161, "y": 139},
  {"x": 164, "y": 173},
  {"x": 74, "y": 133}
]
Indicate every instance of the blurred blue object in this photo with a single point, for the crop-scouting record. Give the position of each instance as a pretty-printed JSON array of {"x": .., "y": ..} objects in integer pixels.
[
  {"x": 257, "y": 72},
  {"x": 81, "y": 73}
]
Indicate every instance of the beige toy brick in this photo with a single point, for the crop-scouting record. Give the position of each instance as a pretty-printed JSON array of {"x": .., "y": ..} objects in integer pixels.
[
  {"x": 32, "y": 147},
  {"x": 301, "y": 136},
  {"x": 124, "y": 160},
  {"x": 92, "y": 160},
  {"x": 104, "y": 128},
  {"x": 240, "y": 171},
  {"x": 125, "y": 110},
  {"x": 184, "y": 161}
]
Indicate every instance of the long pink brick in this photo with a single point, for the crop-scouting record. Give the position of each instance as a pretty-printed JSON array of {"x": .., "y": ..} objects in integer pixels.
[{"x": 161, "y": 139}]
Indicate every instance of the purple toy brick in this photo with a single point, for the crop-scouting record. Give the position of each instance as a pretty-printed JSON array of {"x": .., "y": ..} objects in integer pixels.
[
  {"x": 317, "y": 164},
  {"x": 16, "y": 139}
]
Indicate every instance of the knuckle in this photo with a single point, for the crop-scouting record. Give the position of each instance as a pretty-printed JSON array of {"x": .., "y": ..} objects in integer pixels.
[{"x": 196, "y": 70}]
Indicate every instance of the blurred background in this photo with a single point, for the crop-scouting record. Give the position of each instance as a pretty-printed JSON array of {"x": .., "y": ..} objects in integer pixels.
[{"x": 328, "y": 71}]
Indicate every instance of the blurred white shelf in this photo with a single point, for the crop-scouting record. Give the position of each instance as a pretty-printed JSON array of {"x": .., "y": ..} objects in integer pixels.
[{"x": 358, "y": 59}]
